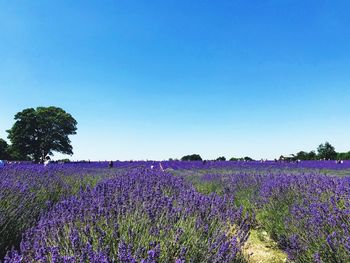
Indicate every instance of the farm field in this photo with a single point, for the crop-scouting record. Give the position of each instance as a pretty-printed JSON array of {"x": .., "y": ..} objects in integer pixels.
[
  {"x": 176, "y": 212},
  {"x": 231, "y": 118}
]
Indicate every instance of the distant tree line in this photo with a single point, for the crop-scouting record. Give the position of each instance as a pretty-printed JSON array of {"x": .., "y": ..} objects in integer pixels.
[
  {"x": 197, "y": 157},
  {"x": 324, "y": 152},
  {"x": 37, "y": 133}
]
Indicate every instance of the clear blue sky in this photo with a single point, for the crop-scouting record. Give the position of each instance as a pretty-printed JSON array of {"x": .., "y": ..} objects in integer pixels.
[{"x": 159, "y": 79}]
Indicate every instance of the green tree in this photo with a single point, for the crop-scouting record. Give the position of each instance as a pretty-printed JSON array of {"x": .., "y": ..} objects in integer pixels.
[
  {"x": 222, "y": 158},
  {"x": 343, "y": 156},
  {"x": 16, "y": 155},
  {"x": 312, "y": 155},
  {"x": 41, "y": 131},
  {"x": 306, "y": 156},
  {"x": 302, "y": 156},
  {"x": 192, "y": 157},
  {"x": 247, "y": 158},
  {"x": 4, "y": 154},
  {"x": 326, "y": 151}
]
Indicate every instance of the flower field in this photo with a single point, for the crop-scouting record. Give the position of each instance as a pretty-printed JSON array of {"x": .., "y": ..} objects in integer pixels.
[{"x": 174, "y": 212}]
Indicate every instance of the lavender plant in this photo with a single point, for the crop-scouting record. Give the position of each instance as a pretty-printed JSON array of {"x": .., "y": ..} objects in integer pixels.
[
  {"x": 27, "y": 191},
  {"x": 143, "y": 216},
  {"x": 308, "y": 214}
]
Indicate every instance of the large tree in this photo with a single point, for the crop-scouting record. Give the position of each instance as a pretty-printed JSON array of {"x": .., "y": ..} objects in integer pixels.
[
  {"x": 326, "y": 151},
  {"x": 40, "y": 132}
]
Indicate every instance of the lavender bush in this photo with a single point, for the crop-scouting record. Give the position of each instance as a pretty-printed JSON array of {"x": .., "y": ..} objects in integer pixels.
[
  {"x": 26, "y": 191},
  {"x": 307, "y": 213},
  {"x": 141, "y": 216}
]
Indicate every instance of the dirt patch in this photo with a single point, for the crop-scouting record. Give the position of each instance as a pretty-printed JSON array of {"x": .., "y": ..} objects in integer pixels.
[{"x": 261, "y": 249}]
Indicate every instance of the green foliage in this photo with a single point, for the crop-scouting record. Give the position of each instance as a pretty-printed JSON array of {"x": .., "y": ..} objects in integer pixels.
[
  {"x": 209, "y": 187},
  {"x": 312, "y": 155},
  {"x": 245, "y": 198},
  {"x": 4, "y": 155},
  {"x": 38, "y": 132},
  {"x": 204, "y": 186},
  {"x": 343, "y": 156},
  {"x": 272, "y": 218},
  {"x": 15, "y": 155},
  {"x": 192, "y": 157},
  {"x": 222, "y": 158},
  {"x": 326, "y": 151},
  {"x": 303, "y": 156}
]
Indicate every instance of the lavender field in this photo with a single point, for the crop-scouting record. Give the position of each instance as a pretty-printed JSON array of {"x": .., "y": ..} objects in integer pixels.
[{"x": 174, "y": 211}]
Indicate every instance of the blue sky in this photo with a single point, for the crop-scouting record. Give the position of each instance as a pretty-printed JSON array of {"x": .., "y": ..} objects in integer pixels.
[{"x": 159, "y": 79}]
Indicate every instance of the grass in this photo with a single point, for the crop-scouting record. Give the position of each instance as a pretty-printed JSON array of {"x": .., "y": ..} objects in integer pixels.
[{"x": 259, "y": 248}]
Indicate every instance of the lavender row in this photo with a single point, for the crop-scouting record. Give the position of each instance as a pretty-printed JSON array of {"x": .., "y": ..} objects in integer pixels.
[
  {"x": 308, "y": 214},
  {"x": 141, "y": 216},
  {"x": 228, "y": 165},
  {"x": 27, "y": 191},
  {"x": 258, "y": 165}
]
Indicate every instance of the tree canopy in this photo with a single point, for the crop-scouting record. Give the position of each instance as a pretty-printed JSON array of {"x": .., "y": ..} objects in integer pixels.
[
  {"x": 343, "y": 156},
  {"x": 246, "y": 158},
  {"x": 326, "y": 151},
  {"x": 192, "y": 157},
  {"x": 306, "y": 156},
  {"x": 41, "y": 131}
]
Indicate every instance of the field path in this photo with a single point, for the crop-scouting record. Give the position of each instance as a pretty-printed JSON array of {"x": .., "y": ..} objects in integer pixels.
[{"x": 261, "y": 249}]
